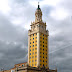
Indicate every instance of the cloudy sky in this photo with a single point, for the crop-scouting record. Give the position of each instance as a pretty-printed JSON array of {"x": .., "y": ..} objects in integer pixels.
[{"x": 15, "y": 20}]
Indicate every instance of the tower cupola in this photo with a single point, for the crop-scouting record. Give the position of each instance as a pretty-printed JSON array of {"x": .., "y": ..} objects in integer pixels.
[{"x": 38, "y": 14}]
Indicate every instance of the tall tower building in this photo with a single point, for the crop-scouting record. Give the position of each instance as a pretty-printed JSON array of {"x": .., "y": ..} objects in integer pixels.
[{"x": 38, "y": 42}]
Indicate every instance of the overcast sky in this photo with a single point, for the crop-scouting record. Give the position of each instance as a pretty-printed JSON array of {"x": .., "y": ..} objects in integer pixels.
[{"x": 15, "y": 20}]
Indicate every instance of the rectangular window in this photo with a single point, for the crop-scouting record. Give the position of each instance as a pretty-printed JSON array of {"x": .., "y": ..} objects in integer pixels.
[
  {"x": 33, "y": 52},
  {"x": 30, "y": 53},
  {"x": 32, "y": 56},
  {"x": 33, "y": 38},
  {"x": 43, "y": 60},
  {"x": 32, "y": 60},
  {"x": 30, "y": 49},
  {"x": 33, "y": 45},
  {"x": 43, "y": 45},
  {"x": 33, "y": 49}
]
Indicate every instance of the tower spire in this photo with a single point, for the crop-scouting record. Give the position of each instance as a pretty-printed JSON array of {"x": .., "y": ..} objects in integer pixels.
[{"x": 38, "y": 4}]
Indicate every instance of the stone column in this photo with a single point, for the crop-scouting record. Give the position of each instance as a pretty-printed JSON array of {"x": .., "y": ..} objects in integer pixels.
[
  {"x": 28, "y": 48},
  {"x": 38, "y": 49},
  {"x": 47, "y": 52}
]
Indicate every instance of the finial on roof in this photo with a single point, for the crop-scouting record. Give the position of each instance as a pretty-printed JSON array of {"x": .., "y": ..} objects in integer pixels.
[{"x": 38, "y": 6}]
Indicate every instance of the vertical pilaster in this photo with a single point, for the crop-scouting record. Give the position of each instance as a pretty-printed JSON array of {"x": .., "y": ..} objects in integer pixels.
[
  {"x": 28, "y": 47},
  {"x": 47, "y": 53},
  {"x": 38, "y": 49}
]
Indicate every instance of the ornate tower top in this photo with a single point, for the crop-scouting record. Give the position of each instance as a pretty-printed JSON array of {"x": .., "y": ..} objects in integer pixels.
[{"x": 38, "y": 14}]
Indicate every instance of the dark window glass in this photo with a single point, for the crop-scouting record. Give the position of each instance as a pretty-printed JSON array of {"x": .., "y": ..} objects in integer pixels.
[
  {"x": 43, "y": 60},
  {"x": 43, "y": 56},
  {"x": 33, "y": 38},
  {"x": 33, "y": 45},
  {"x": 43, "y": 35},
  {"x": 43, "y": 38},
  {"x": 30, "y": 53},
  {"x": 43, "y": 49},
  {"x": 43, "y": 53},
  {"x": 33, "y": 41},
  {"x": 43, "y": 41},
  {"x": 43, "y": 64},
  {"x": 43, "y": 45}
]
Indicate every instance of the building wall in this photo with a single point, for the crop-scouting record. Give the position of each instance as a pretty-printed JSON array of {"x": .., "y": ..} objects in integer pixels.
[
  {"x": 20, "y": 65},
  {"x": 6, "y": 71},
  {"x": 43, "y": 50},
  {"x": 33, "y": 50}
]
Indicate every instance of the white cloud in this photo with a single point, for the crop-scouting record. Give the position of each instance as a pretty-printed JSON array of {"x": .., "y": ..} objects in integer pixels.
[
  {"x": 59, "y": 14},
  {"x": 45, "y": 2},
  {"x": 4, "y": 6}
]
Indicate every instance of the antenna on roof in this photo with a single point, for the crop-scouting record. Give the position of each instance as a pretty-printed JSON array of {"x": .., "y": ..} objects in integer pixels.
[{"x": 38, "y": 4}]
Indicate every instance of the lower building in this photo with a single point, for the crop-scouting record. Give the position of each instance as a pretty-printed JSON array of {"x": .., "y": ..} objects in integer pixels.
[{"x": 23, "y": 67}]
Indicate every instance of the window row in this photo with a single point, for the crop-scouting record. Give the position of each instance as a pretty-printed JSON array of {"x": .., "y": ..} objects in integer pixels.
[
  {"x": 33, "y": 45},
  {"x": 40, "y": 57},
  {"x": 43, "y": 49},
  {"x": 34, "y": 38},
  {"x": 43, "y": 45},
  {"x": 43, "y": 65},
  {"x": 43, "y": 53},
  {"x": 33, "y": 57},
  {"x": 33, "y": 49},
  {"x": 43, "y": 57},
  {"x": 33, "y": 42}
]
